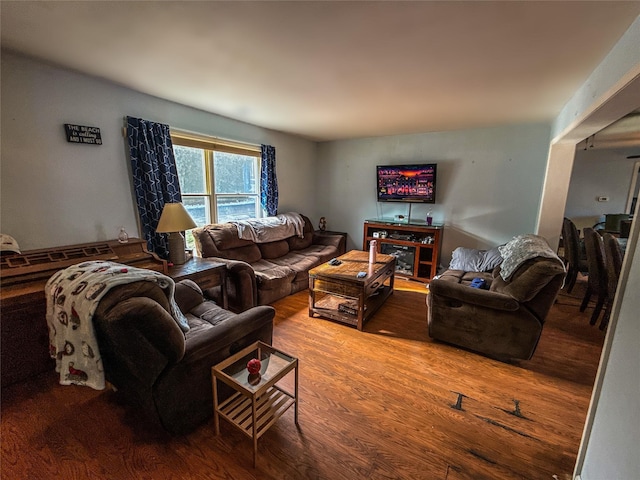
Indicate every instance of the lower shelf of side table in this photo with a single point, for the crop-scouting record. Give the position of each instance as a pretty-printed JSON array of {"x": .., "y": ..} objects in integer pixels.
[{"x": 269, "y": 407}]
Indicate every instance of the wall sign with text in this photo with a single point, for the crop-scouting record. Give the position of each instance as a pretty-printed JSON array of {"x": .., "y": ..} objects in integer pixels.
[{"x": 83, "y": 134}]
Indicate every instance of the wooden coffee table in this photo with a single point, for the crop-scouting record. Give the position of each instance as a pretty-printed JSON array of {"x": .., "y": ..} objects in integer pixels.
[{"x": 336, "y": 292}]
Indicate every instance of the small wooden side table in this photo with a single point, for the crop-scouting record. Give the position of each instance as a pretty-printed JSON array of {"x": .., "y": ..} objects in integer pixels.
[
  {"x": 205, "y": 273},
  {"x": 257, "y": 402}
]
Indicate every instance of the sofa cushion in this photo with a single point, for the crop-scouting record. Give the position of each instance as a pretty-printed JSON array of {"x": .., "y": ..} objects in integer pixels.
[
  {"x": 250, "y": 253},
  {"x": 322, "y": 252},
  {"x": 212, "y": 239},
  {"x": 207, "y": 314},
  {"x": 226, "y": 236},
  {"x": 271, "y": 276},
  {"x": 276, "y": 249},
  {"x": 463, "y": 277},
  {"x": 297, "y": 243},
  {"x": 469, "y": 277},
  {"x": 300, "y": 264}
]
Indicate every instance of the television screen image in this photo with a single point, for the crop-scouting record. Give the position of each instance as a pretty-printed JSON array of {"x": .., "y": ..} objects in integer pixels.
[{"x": 407, "y": 183}]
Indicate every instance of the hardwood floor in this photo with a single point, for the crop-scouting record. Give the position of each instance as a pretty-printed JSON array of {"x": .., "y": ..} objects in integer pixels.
[{"x": 385, "y": 403}]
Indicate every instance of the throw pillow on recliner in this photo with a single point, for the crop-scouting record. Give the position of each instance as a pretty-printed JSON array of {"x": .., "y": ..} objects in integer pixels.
[{"x": 474, "y": 260}]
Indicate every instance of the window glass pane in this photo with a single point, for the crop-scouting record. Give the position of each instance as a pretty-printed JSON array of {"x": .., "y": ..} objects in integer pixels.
[
  {"x": 234, "y": 173},
  {"x": 198, "y": 208},
  {"x": 191, "y": 169},
  {"x": 236, "y": 208}
]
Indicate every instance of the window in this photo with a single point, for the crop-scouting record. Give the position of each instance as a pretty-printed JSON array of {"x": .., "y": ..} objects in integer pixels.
[{"x": 219, "y": 180}]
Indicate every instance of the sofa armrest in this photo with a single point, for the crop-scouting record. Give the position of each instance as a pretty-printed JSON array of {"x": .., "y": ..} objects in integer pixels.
[
  {"x": 337, "y": 241},
  {"x": 476, "y": 296},
  {"x": 454, "y": 276},
  {"x": 242, "y": 288}
]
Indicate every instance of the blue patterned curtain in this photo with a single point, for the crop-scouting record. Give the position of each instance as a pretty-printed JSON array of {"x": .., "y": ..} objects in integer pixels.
[
  {"x": 268, "y": 180},
  {"x": 155, "y": 177}
]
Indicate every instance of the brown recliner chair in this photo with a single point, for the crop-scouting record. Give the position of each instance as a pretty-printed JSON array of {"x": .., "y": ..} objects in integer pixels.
[
  {"x": 504, "y": 322},
  {"x": 158, "y": 368}
]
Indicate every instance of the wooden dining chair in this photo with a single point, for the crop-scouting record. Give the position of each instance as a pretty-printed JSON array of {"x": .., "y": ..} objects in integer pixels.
[
  {"x": 576, "y": 260},
  {"x": 613, "y": 262},
  {"x": 597, "y": 280}
]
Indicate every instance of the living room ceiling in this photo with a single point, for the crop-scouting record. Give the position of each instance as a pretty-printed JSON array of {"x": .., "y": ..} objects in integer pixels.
[{"x": 333, "y": 70}]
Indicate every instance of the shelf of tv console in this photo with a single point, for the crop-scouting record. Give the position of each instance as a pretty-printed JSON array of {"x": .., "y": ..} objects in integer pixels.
[{"x": 407, "y": 240}]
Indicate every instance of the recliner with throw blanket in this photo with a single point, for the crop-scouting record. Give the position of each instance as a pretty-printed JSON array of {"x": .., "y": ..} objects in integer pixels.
[
  {"x": 161, "y": 370},
  {"x": 504, "y": 321}
]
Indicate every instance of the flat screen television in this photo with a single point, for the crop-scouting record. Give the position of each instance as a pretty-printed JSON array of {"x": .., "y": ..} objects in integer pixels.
[{"x": 406, "y": 183}]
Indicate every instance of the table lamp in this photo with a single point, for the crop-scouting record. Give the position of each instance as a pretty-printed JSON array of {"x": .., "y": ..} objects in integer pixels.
[{"x": 174, "y": 220}]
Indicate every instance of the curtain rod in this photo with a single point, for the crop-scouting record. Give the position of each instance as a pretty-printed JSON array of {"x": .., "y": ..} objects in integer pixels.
[
  {"x": 201, "y": 135},
  {"x": 179, "y": 131}
]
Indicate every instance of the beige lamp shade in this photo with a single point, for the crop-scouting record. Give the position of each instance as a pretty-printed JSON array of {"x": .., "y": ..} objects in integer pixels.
[{"x": 175, "y": 218}]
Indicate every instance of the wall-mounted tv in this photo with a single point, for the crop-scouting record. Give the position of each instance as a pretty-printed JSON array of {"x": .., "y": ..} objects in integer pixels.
[{"x": 407, "y": 183}]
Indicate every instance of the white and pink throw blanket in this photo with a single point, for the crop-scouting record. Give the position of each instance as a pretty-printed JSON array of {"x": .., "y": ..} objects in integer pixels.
[
  {"x": 73, "y": 295},
  {"x": 270, "y": 229}
]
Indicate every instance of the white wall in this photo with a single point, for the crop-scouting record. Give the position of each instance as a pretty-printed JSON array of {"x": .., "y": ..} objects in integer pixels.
[
  {"x": 58, "y": 193},
  {"x": 598, "y": 173},
  {"x": 488, "y": 187},
  {"x": 612, "y": 444},
  {"x": 609, "y": 447}
]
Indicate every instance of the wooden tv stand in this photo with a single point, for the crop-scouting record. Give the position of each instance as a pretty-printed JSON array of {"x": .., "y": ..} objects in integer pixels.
[{"x": 417, "y": 259}]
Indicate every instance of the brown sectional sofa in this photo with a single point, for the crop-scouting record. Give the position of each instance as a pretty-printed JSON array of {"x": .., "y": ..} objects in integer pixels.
[{"x": 261, "y": 273}]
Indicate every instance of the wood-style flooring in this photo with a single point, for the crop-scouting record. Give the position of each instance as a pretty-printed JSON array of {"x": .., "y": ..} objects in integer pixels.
[{"x": 385, "y": 403}]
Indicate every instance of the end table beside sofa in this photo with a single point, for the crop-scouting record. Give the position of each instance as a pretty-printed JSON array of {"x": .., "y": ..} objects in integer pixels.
[{"x": 205, "y": 273}]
